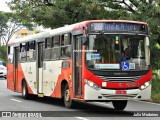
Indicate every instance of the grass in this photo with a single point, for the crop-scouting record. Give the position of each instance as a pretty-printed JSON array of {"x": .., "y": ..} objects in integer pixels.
[{"x": 155, "y": 96}]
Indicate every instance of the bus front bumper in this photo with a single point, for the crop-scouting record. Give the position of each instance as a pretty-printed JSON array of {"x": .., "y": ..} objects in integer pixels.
[{"x": 91, "y": 94}]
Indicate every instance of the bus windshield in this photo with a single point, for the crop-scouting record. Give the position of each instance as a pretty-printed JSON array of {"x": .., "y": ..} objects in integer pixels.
[{"x": 118, "y": 52}]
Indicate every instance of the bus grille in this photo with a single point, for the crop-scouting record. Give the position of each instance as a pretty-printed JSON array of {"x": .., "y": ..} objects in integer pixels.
[
  {"x": 119, "y": 96},
  {"x": 120, "y": 79}
]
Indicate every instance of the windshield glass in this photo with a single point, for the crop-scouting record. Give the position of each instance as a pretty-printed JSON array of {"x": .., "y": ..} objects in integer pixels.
[{"x": 118, "y": 52}]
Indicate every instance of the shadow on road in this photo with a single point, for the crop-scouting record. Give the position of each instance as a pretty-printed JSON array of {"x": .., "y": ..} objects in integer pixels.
[{"x": 80, "y": 108}]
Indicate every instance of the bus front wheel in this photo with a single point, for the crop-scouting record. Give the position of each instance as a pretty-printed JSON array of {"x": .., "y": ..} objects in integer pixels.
[
  {"x": 119, "y": 104},
  {"x": 67, "y": 99}
]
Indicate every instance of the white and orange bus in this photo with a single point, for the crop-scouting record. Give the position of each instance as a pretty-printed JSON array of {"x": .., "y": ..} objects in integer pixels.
[{"x": 95, "y": 60}]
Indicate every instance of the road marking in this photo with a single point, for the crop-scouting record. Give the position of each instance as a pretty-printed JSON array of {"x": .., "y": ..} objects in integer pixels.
[
  {"x": 81, "y": 118},
  {"x": 16, "y": 100},
  {"x": 149, "y": 102}
]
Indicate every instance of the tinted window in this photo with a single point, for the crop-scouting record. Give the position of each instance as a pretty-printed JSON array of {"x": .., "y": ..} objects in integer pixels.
[{"x": 56, "y": 41}]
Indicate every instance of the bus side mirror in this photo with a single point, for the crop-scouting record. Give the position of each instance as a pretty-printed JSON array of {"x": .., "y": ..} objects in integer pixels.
[
  {"x": 84, "y": 40},
  {"x": 158, "y": 39}
]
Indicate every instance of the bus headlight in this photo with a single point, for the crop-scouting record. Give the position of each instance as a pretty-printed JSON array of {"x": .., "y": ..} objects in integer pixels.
[
  {"x": 92, "y": 84},
  {"x": 145, "y": 85}
]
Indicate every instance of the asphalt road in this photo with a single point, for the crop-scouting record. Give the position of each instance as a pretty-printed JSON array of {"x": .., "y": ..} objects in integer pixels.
[{"x": 17, "y": 106}]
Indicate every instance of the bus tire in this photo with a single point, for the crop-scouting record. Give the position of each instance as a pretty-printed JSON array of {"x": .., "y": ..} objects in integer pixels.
[
  {"x": 67, "y": 99},
  {"x": 25, "y": 93},
  {"x": 119, "y": 104}
]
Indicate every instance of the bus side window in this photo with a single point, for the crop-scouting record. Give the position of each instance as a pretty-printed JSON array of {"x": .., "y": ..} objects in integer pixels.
[
  {"x": 10, "y": 54},
  {"x": 23, "y": 54},
  {"x": 47, "y": 51},
  {"x": 56, "y": 49},
  {"x": 27, "y": 46},
  {"x": 62, "y": 40},
  {"x": 66, "y": 46},
  {"x": 8, "y": 49},
  {"x": 66, "y": 52},
  {"x": 31, "y": 54},
  {"x": 56, "y": 40},
  {"x": 31, "y": 45},
  {"x": 67, "y": 39},
  {"x": 48, "y": 42},
  {"x": 22, "y": 47},
  {"x": 52, "y": 39}
]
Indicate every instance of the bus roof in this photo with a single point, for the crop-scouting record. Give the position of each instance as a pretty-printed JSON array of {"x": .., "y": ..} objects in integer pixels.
[
  {"x": 65, "y": 29},
  {"x": 84, "y": 23}
]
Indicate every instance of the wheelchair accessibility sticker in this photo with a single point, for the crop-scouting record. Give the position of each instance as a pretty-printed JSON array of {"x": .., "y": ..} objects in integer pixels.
[{"x": 125, "y": 66}]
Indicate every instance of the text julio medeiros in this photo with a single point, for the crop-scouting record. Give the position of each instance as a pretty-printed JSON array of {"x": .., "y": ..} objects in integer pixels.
[{"x": 145, "y": 114}]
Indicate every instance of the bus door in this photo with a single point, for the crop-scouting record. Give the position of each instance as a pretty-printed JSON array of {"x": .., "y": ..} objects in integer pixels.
[
  {"x": 77, "y": 66},
  {"x": 16, "y": 56},
  {"x": 40, "y": 68}
]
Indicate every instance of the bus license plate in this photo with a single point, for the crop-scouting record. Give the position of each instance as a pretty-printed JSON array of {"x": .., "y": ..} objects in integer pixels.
[{"x": 121, "y": 92}]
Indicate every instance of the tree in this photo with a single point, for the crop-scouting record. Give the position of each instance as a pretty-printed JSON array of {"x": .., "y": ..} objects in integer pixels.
[
  {"x": 71, "y": 11},
  {"x": 9, "y": 24},
  {"x": 13, "y": 24},
  {"x": 61, "y": 13},
  {"x": 3, "y": 23},
  {"x": 3, "y": 53}
]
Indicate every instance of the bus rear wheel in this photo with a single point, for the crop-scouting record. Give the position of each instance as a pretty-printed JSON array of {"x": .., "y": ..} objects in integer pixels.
[
  {"x": 119, "y": 104},
  {"x": 67, "y": 99},
  {"x": 25, "y": 93}
]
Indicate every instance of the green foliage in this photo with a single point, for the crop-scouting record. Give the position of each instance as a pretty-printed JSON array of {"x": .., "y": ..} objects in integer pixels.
[
  {"x": 36, "y": 31},
  {"x": 63, "y": 12},
  {"x": 3, "y": 22},
  {"x": 156, "y": 90},
  {"x": 3, "y": 53},
  {"x": 13, "y": 23},
  {"x": 2, "y": 60}
]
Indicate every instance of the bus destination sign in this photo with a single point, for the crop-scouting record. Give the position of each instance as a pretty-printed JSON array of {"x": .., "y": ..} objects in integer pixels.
[{"x": 118, "y": 26}]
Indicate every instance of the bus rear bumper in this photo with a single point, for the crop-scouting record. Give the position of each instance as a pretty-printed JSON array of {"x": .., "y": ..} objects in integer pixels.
[{"x": 90, "y": 94}]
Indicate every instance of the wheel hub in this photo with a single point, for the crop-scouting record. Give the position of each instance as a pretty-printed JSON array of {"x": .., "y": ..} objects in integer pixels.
[
  {"x": 24, "y": 91},
  {"x": 67, "y": 95}
]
